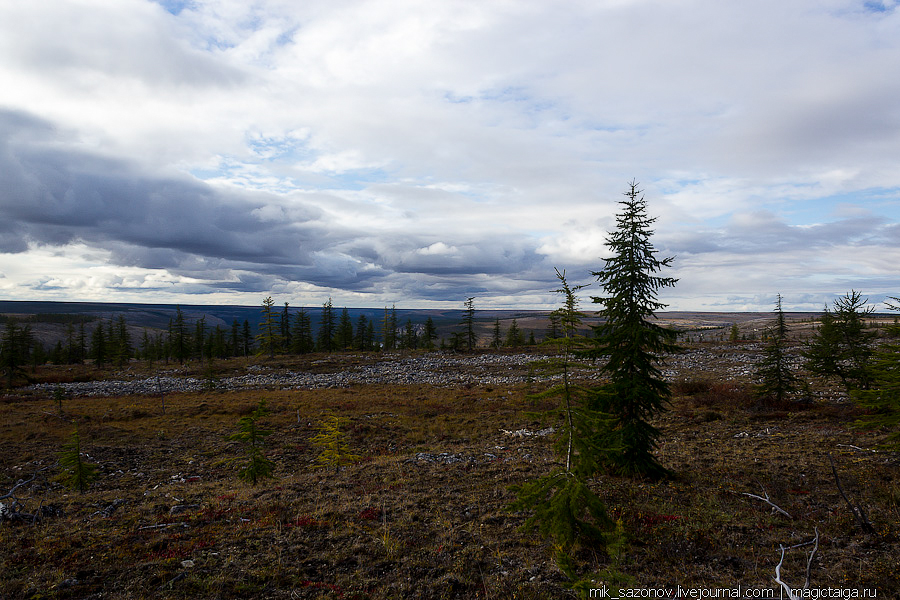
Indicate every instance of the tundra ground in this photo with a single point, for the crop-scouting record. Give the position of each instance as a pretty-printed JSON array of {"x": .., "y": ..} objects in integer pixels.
[{"x": 423, "y": 513}]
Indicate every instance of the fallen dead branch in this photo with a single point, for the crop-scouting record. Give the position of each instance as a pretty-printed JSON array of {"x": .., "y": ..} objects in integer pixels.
[
  {"x": 861, "y": 519},
  {"x": 765, "y": 498},
  {"x": 14, "y": 511},
  {"x": 784, "y": 586}
]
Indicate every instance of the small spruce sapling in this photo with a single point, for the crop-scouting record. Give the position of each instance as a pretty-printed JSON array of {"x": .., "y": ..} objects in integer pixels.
[
  {"x": 563, "y": 508},
  {"x": 76, "y": 473},
  {"x": 257, "y": 465},
  {"x": 335, "y": 451}
]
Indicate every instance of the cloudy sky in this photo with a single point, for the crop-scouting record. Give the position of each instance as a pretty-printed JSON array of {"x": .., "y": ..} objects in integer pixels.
[{"x": 421, "y": 152}]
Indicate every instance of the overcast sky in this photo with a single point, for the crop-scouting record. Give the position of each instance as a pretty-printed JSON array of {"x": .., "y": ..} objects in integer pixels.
[{"x": 421, "y": 152}]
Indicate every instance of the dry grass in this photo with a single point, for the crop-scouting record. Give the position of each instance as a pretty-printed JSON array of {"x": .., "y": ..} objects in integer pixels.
[{"x": 396, "y": 526}]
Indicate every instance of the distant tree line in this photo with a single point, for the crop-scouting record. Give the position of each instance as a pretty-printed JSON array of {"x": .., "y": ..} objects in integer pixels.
[{"x": 281, "y": 330}]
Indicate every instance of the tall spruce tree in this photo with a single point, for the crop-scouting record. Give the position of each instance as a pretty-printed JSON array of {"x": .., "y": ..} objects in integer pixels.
[
  {"x": 410, "y": 337},
  {"x": 514, "y": 335},
  {"x": 12, "y": 353},
  {"x": 99, "y": 345},
  {"x": 302, "y": 341},
  {"x": 285, "y": 327},
  {"x": 629, "y": 342},
  {"x": 359, "y": 336},
  {"x": 429, "y": 334},
  {"x": 325, "y": 342},
  {"x": 496, "y": 336},
  {"x": 269, "y": 336},
  {"x": 882, "y": 400},
  {"x": 469, "y": 323},
  {"x": 178, "y": 336},
  {"x": 344, "y": 331}
]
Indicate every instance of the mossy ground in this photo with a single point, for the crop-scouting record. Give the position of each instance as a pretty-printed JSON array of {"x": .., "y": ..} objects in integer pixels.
[{"x": 406, "y": 522}]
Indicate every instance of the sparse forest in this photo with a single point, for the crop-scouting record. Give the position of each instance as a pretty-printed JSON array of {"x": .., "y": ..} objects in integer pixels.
[{"x": 324, "y": 455}]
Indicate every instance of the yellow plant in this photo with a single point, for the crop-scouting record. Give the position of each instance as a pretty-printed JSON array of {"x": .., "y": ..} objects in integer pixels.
[{"x": 335, "y": 451}]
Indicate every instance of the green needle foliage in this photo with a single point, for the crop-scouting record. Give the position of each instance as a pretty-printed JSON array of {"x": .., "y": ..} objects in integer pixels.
[
  {"x": 842, "y": 346},
  {"x": 631, "y": 344},
  {"x": 249, "y": 432},
  {"x": 335, "y": 451},
  {"x": 563, "y": 508},
  {"x": 566, "y": 511},
  {"x": 76, "y": 474},
  {"x": 778, "y": 382},
  {"x": 882, "y": 401}
]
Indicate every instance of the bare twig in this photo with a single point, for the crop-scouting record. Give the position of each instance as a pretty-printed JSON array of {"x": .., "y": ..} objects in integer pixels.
[
  {"x": 784, "y": 586},
  {"x": 765, "y": 499},
  {"x": 854, "y": 447},
  {"x": 809, "y": 560},
  {"x": 11, "y": 492},
  {"x": 855, "y": 509}
]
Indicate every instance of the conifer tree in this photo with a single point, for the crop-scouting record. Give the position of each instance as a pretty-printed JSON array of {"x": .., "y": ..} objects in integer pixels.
[
  {"x": 249, "y": 432},
  {"x": 82, "y": 343},
  {"x": 882, "y": 400},
  {"x": 285, "y": 328},
  {"x": 842, "y": 346},
  {"x": 77, "y": 474},
  {"x": 268, "y": 337},
  {"x": 178, "y": 336},
  {"x": 496, "y": 339},
  {"x": 370, "y": 335},
  {"x": 410, "y": 338},
  {"x": 99, "y": 347},
  {"x": 325, "y": 341},
  {"x": 199, "y": 340},
  {"x": 563, "y": 507},
  {"x": 335, "y": 450},
  {"x": 469, "y": 323},
  {"x": 359, "y": 336},
  {"x": 778, "y": 382},
  {"x": 12, "y": 356},
  {"x": 429, "y": 334},
  {"x": 121, "y": 342},
  {"x": 246, "y": 338},
  {"x": 345, "y": 331},
  {"x": 553, "y": 331},
  {"x": 235, "y": 349},
  {"x": 302, "y": 336},
  {"x": 389, "y": 329},
  {"x": 513, "y": 335},
  {"x": 629, "y": 342}
]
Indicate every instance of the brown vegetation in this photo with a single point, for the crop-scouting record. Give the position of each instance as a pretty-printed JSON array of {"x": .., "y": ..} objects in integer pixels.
[{"x": 423, "y": 513}]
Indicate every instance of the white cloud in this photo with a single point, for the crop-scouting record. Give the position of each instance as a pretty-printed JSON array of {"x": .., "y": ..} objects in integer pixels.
[{"x": 395, "y": 149}]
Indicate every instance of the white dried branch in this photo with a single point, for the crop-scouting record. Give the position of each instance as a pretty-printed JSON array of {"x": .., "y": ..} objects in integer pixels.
[
  {"x": 784, "y": 586},
  {"x": 855, "y": 447},
  {"x": 765, "y": 498}
]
